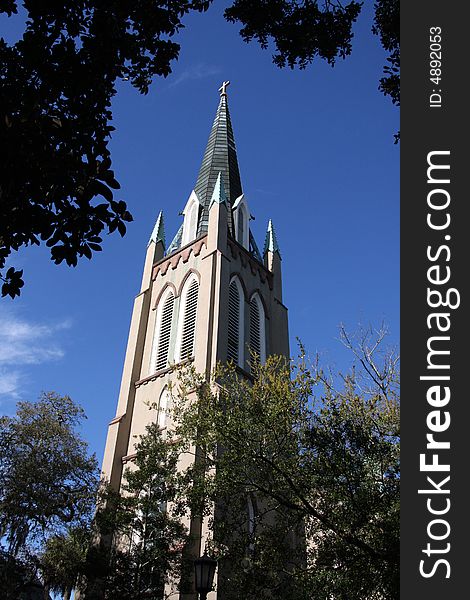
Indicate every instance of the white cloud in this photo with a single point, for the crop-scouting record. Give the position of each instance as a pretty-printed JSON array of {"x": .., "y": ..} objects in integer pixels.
[
  {"x": 24, "y": 342},
  {"x": 9, "y": 383},
  {"x": 195, "y": 72}
]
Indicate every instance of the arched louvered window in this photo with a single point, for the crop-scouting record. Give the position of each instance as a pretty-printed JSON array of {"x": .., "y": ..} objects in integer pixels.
[
  {"x": 235, "y": 323},
  {"x": 188, "y": 324},
  {"x": 161, "y": 340},
  {"x": 257, "y": 334}
]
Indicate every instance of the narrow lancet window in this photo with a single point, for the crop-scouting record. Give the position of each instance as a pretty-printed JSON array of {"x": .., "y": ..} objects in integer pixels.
[
  {"x": 241, "y": 226},
  {"x": 191, "y": 216},
  {"x": 163, "y": 408},
  {"x": 161, "y": 341},
  {"x": 257, "y": 330},
  {"x": 188, "y": 327},
  {"x": 235, "y": 323}
]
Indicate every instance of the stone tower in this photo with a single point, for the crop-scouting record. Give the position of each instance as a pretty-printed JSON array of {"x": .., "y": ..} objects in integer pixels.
[{"x": 209, "y": 296}]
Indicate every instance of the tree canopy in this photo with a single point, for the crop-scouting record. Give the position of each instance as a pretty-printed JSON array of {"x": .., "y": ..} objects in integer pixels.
[
  {"x": 319, "y": 459},
  {"x": 305, "y": 30},
  {"x": 57, "y": 185},
  {"x": 56, "y": 181},
  {"x": 63, "y": 559},
  {"x": 296, "y": 473},
  {"x": 48, "y": 483},
  {"x": 147, "y": 552}
]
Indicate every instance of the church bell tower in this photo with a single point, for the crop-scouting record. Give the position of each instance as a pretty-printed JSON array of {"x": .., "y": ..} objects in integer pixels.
[{"x": 209, "y": 296}]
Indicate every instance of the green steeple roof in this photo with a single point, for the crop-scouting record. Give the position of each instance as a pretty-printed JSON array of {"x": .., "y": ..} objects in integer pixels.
[
  {"x": 158, "y": 233},
  {"x": 220, "y": 157},
  {"x": 270, "y": 243}
]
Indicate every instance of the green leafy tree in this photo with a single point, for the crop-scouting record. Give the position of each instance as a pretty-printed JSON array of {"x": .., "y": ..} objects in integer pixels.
[
  {"x": 135, "y": 543},
  {"x": 18, "y": 577},
  {"x": 320, "y": 457},
  {"x": 48, "y": 481},
  {"x": 55, "y": 123},
  {"x": 296, "y": 471},
  {"x": 387, "y": 27},
  {"x": 63, "y": 560},
  {"x": 304, "y": 30},
  {"x": 148, "y": 538}
]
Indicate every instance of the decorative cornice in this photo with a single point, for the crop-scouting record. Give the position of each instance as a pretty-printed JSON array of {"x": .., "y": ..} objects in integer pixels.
[
  {"x": 128, "y": 457},
  {"x": 117, "y": 419},
  {"x": 152, "y": 377},
  {"x": 161, "y": 267},
  {"x": 162, "y": 372},
  {"x": 238, "y": 251}
]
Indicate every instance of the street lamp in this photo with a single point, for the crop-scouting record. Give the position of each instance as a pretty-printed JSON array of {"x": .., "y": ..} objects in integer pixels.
[{"x": 205, "y": 570}]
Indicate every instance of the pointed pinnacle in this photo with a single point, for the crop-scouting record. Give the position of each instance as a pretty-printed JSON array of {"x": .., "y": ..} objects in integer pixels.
[
  {"x": 219, "y": 195},
  {"x": 270, "y": 243},
  {"x": 158, "y": 233}
]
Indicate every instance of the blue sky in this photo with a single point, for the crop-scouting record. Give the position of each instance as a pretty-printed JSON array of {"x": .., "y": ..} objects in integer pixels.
[{"x": 316, "y": 154}]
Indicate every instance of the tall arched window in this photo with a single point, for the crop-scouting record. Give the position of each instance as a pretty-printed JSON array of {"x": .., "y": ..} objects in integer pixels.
[
  {"x": 241, "y": 225},
  {"x": 241, "y": 215},
  {"x": 191, "y": 214},
  {"x": 161, "y": 339},
  {"x": 257, "y": 328},
  {"x": 193, "y": 219},
  {"x": 163, "y": 408},
  {"x": 235, "y": 323},
  {"x": 187, "y": 325}
]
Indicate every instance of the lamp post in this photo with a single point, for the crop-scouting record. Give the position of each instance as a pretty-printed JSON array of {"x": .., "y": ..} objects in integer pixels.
[{"x": 204, "y": 569}]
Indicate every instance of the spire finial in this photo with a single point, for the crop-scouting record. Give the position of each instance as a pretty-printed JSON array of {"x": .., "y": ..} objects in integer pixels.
[
  {"x": 223, "y": 88},
  {"x": 270, "y": 243}
]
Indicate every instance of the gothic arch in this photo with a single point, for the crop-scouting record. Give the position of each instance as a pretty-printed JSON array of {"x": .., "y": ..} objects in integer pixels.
[
  {"x": 242, "y": 283},
  {"x": 163, "y": 291},
  {"x": 191, "y": 214},
  {"x": 236, "y": 322},
  {"x": 241, "y": 217},
  {"x": 257, "y": 292},
  {"x": 257, "y": 327},
  {"x": 162, "y": 332},
  {"x": 185, "y": 279},
  {"x": 187, "y": 318}
]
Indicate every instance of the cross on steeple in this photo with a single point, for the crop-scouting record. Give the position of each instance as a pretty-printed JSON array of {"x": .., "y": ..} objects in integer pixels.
[
  {"x": 220, "y": 156},
  {"x": 223, "y": 88}
]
